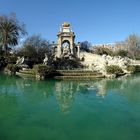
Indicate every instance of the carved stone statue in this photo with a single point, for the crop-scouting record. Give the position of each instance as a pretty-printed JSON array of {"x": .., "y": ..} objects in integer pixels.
[
  {"x": 22, "y": 63},
  {"x": 66, "y": 50},
  {"x": 45, "y": 61},
  {"x": 19, "y": 61}
]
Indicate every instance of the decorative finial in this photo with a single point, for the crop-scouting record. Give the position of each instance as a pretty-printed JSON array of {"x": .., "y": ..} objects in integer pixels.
[{"x": 66, "y": 24}]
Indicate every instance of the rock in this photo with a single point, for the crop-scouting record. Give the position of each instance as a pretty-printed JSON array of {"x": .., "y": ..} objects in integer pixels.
[
  {"x": 40, "y": 77},
  {"x": 98, "y": 63}
]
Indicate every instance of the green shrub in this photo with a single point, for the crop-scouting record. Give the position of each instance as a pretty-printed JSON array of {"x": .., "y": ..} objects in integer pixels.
[
  {"x": 137, "y": 57},
  {"x": 43, "y": 70},
  {"x": 122, "y": 53},
  {"x": 131, "y": 68},
  {"x": 137, "y": 68},
  {"x": 2, "y": 62},
  {"x": 102, "y": 50},
  {"x": 113, "y": 69},
  {"x": 11, "y": 67}
]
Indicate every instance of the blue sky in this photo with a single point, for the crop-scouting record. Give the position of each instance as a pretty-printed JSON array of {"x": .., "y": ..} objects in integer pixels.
[{"x": 98, "y": 21}]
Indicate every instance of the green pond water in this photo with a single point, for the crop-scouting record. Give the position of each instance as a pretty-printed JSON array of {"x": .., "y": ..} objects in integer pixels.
[{"x": 105, "y": 109}]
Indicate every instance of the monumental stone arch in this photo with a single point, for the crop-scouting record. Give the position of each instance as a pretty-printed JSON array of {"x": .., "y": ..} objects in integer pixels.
[{"x": 66, "y": 46}]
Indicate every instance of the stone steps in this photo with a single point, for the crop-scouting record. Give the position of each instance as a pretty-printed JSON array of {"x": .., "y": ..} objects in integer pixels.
[
  {"x": 79, "y": 77},
  {"x": 76, "y": 71},
  {"x": 27, "y": 71},
  {"x": 70, "y": 74},
  {"x": 80, "y": 74}
]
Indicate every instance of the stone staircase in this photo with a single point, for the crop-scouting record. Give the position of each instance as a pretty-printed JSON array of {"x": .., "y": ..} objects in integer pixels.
[
  {"x": 66, "y": 74},
  {"x": 27, "y": 72},
  {"x": 78, "y": 74}
]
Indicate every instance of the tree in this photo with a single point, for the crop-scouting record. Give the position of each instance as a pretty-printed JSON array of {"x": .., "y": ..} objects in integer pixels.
[
  {"x": 34, "y": 48},
  {"x": 133, "y": 44},
  {"x": 102, "y": 50},
  {"x": 85, "y": 46},
  {"x": 122, "y": 53},
  {"x": 2, "y": 59},
  {"x": 10, "y": 31}
]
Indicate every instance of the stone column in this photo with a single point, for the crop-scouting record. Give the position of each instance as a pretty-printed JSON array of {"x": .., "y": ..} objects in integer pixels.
[
  {"x": 78, "y": 51},
  {"x": 59, "y": 51},
  {"x": 71, "y": 48},
  {"x": 59, "y": 47}
]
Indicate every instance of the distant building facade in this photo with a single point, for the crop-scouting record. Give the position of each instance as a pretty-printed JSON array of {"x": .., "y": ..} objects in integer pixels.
[{"x": 111, "y": 46}]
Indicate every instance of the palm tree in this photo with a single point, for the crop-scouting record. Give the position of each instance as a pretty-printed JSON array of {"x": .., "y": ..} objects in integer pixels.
[{"x": 9, "y": 33}]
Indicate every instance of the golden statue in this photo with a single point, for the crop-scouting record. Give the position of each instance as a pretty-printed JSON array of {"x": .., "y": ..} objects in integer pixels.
[{"x": 65, "y": 24}]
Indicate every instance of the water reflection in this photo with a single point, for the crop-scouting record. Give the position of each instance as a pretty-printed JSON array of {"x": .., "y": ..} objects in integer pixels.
[{"x": 65, "y": 92}]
